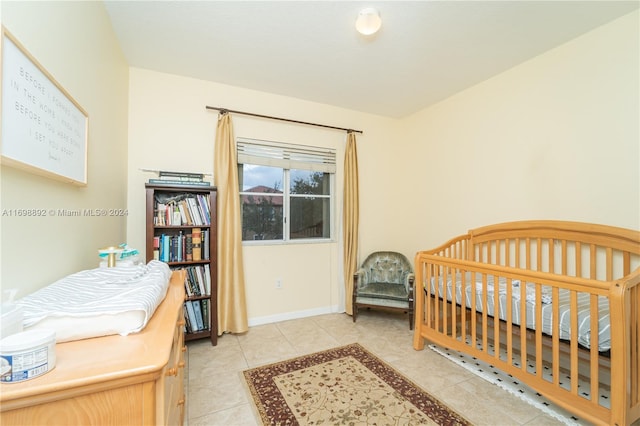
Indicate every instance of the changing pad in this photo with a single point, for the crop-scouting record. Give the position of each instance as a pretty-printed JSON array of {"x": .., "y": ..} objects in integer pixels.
[{"x": 98, "y": 302}]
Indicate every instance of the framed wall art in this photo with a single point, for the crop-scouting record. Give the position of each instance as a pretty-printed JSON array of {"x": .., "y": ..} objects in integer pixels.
[{"x": 44, "y": 130}]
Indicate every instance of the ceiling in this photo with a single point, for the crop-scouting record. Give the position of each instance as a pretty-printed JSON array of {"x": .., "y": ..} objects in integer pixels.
[{"x": 425, "y": 51}]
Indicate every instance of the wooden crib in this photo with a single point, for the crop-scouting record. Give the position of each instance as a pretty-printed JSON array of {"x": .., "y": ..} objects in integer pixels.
[{"x": 526, "y": 297}]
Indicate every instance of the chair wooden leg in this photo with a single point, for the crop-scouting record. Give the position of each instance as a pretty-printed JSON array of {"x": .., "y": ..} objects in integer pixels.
[{"x": 355, "y": 312}]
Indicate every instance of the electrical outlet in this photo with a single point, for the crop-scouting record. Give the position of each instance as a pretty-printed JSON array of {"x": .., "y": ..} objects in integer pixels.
[{"x": 279, "y": 283}]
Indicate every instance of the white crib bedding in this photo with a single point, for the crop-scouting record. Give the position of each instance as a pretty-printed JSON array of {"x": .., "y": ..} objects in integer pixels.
[
  {"x": 98, "y": 302},
  {"x": 564, "y": 310}
]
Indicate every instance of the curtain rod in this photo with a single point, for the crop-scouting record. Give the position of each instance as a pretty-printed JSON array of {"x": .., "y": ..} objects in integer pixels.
[{"x": 225, "y": 110}]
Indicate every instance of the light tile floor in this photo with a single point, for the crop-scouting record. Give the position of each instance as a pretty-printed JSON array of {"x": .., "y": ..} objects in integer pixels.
[{"x": 217, "y": 395}]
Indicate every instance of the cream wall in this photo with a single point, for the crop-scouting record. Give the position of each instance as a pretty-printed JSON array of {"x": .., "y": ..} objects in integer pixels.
[
  {"x": 170, "y": 129},
  {"x": 554, "y": 138},
  {"x": 75, "y": 43}
]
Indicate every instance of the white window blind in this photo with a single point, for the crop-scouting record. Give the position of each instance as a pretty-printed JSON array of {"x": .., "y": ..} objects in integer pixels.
[{"x": 285, "y": 155}]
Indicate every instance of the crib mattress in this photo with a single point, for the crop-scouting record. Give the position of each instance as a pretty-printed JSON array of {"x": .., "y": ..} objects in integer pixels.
[
  {"x": 564, "y": 309},
  {"x": 98, "y": 302}
]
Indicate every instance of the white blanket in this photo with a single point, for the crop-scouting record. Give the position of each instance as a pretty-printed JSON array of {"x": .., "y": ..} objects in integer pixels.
[{"x": 98, "y": 302}]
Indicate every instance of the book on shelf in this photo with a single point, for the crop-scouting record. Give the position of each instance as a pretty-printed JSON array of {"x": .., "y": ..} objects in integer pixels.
[
  {"x": 197, "y": 312},
  {"x": 192, "y": 315},
  {"x": 175, "y": 214},
  {"x": 187, "y": 320},
  {"x": 207, "y": 276},
  {"x": 188, "y": 247},
  {"x": 184, "y": 209},
  {"x": 196, "y": 241},
  {"x": 190, "y": 210},
  {"x": 185, "y": 183},
  {"x": 165, "y": 248},
  {"x": 187, "y": 286},
  {"x": 205, "y": 313},
  {"x": 156, "y": 247},
  {"x": 205, "y": 244},
  {"x": 203, "y": 204},
  {"x": 192, "y": 272},
  {"x": 167, "y": 174}
]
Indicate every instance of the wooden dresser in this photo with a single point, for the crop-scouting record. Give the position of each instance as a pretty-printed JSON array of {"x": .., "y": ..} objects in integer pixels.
[{"x": 116, "y": 380}]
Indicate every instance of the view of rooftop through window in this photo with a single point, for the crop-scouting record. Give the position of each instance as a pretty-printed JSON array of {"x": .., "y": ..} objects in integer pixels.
[{"x": 283, "y": 204}]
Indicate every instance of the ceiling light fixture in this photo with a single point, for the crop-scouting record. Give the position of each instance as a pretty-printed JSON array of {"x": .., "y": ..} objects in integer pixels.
[{"x": 368, "y": 21}]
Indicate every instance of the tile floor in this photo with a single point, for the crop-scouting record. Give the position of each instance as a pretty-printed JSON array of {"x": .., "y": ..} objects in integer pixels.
[{"x": 216, "y": 393}]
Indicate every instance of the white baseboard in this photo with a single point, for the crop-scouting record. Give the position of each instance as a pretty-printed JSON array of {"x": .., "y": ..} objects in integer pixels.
[{"x": 293, "y": 315}]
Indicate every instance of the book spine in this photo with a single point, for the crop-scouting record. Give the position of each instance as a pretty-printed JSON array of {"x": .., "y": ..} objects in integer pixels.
[
  {"x": 156, "y": 247},
  {"x": 193, "y": 281},
  {"x": 179, "y": 257},
  {"x": 200, "y": 275},
  {"x": 185, "y": 208},
  {"x": 205, "y": 314},
  {"x": 187, "y": 286},
  {"x": 189, "y": 247},
  {"x": 195, "y": 211},
  {"x": 205, "y": 244},
  {"x": 204, "y": 210},
  {"x": 187, "y": 320},
  {"x": 196, "y": 248},
  {"x": 197, "y": 312},
  {"x": 192, "y": 315},
  {"x": 207, "y": 281}
]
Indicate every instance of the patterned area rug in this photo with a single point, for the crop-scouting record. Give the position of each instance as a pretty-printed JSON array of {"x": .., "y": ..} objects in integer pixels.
[{"x": 345, "y": 385}]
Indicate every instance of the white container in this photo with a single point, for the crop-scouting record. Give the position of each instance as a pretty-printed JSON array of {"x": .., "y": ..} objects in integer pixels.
[
  {"x": 11, "y": 323},
  {"x": 26, "y": 355}
]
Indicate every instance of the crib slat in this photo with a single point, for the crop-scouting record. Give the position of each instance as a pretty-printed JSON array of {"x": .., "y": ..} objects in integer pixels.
[
  {"x": 454, "y": 325},
  {"x": 593, "y": 344},
  {"x": 578, "y": 259},
  {"x": 634, "y": 352},
  {"x": 552, "y": 260},
  {"x": 538, "y": 307},
  {"x": 429, "y": 311},
  {"x": 496, "y": 310},
  {"x": 509, "y": 321},
  {"x": 609, "y": 264},
  {"x": 555, "y": 335},
  {"x": 574, "y": 341},
  {"x": 539, "y": 254},
  {"x": 474, "y": 316},
  {"x": 442, "y": 298},
  {"x": 463, "y": 304},
  {"x": 592, "y": 260},
  {"x": 485, "y": 316},
  {"x": 437, "y": 301},
  {"x": 523, "y": 320}
]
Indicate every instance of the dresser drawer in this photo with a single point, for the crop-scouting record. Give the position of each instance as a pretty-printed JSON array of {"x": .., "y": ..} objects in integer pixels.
[{"x": 172, "y": 383}]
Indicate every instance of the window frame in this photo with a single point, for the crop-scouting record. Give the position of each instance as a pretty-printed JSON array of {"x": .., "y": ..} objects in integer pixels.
[{"x": 286, "y": 188}]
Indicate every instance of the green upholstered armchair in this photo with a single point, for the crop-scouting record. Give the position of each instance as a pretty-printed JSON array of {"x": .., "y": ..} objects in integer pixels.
[{"x": 385, "y": 279}]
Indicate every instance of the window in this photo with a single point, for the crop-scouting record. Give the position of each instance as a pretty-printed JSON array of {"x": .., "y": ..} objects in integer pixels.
[{"x": 285, "y": 190}]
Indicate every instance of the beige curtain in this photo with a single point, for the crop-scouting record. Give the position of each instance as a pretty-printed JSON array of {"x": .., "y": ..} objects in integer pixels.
[
  {"x": 232, "y": 306},
  {"x": 351, "y": 214}
]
